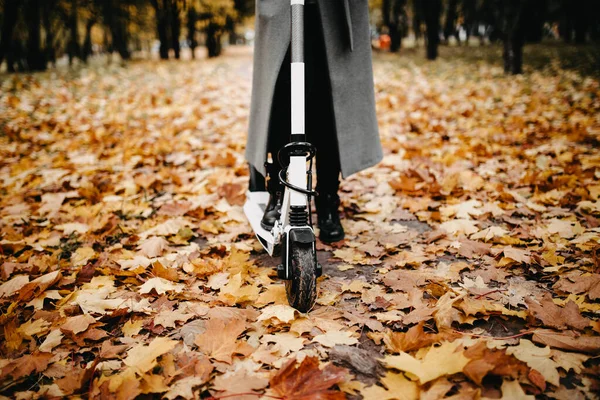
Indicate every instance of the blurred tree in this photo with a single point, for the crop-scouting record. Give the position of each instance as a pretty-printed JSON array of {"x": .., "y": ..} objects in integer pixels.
[
  {"x": 431, "y": 12},
  {"x": 394, "y": 18},
  {"x": 192, "y": 19},
  {"x": 73, "y": 48},
  {"x": 450, "y": 28},
  {"x": 175, "y": 24},
  {"x": 469, "y": 10},
  {"x": 243, "y": 9},
  {"x": 534, "y": 30},
  {"x": 516, "y": 15},
  {"x": 91, "y": 16},
  {"x": 115, "y": 16},
  {"x": 418, "y": 18},
  {"x": 161, "y": 9},
  {"x": 214, "y": 15},
  {"x": 168, "y": 25},
  {"x": 576, "y": 17},
  {"x": 9, "y": 21},
  {"x": 36, "y": 55}
]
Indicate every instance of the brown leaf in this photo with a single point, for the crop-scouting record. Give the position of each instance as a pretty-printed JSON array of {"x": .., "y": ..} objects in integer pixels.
[
  {"x": 219, "y": 340},
  {"x": 362, "y": 362},
  {"x": 108, "y": 350},
  {"x": 77, "y": 324},
  {"x": 556, "y": 317},
  {"x": 580, "y": 283},
  {"x": 415, "y": 338},
  {"x": 307, "y": 381},
  {"x": 485, "y": 361},
  {"x": 567, "y": 340},
  {"x": 404, "y": 280},
  {"x": 169, "y": 274},
  {"x": 175, "y": 209},
  {"x": 38, "y": 285},
  {"x": 26, "y": 365}
]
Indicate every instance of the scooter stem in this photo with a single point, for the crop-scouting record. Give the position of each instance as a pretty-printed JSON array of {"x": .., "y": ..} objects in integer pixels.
[{"x": 297, "y": 168}]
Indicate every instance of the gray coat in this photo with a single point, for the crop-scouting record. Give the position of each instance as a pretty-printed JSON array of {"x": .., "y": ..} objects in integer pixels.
[{"x": 348, "y": 48}]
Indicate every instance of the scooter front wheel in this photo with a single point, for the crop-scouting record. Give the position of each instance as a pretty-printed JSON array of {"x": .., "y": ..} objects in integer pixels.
[{"x": 301, "y": 289}]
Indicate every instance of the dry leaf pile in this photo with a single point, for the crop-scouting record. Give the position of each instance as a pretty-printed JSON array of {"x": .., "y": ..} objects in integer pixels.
[{"x": 470, "y": 267}]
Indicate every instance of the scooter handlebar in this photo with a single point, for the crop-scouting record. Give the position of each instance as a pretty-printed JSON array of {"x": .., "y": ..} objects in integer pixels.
[{"x": 297, "y": 31}]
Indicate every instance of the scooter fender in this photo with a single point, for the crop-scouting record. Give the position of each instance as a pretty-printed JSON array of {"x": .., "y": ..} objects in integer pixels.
[{"x": 294, "y": 235}]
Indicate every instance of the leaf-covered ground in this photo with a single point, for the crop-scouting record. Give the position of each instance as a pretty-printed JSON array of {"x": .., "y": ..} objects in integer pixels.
[{"x": 470, "y": 267}]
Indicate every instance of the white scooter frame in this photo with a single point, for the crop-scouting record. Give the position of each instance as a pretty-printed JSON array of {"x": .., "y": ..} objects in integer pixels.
[{"x": 293, "y": 224}]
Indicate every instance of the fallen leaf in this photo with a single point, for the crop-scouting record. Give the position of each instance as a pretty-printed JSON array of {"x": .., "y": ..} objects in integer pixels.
[
  {"x": 307, "y": 380},
  {"x": 446, "y": 359}
]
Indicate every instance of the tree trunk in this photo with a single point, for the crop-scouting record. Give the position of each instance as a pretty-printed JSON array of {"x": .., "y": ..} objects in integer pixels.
[
  {"x": 49, "y": 5},
  {"x": 450, "y": 25},
  {"x": 160, "y": 9},
  {"x": 87, "y": 44},
  {"x": 73, "y": 47},
  {"x": 175, "y": 24},
  {"x": 432, "y": 10},
  {"x": 191, "y": 27},
  {"x": 115, "y": 20},
  {"x": 213, "y": 40},
  {"x": 36, "y": 58},
  {"x": 581, "y": 20},
  {"x": 514, "y": 35},
  {"x": 417, "y": 19},
  {"x": 11, "y": 9},
  {"x": 397, "y": 24},
  {"x": 470, "y": 15}
]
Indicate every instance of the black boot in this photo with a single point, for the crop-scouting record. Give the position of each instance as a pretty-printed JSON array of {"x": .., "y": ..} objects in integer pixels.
[
  {"x": 275, "y": 189},
  {"x": 330, "y": 227}
]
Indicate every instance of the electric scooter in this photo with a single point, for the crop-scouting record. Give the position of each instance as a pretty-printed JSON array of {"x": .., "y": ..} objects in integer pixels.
[{"x": 293, "y": 234}]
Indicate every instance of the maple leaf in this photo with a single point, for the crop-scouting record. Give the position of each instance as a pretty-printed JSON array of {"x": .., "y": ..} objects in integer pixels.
[
  {"x": 143, "y": 358},
  {"x": 184, "y": 388},
  {"x": 458, "y": 226},
  {"x": 283, "y": 313},
  {"x": 446, "y": 359},
  {"x": 38, "y": 285},
  {"x": 397, "y": 387},
  {"x": 285, "y": 342},
  {"x": 26, "y": 365},
  {"x": 307, "y": 381},
  {"x": 78, "y": 324},
  {"x": 486, "y": 361},
  {"x": 240, "y": 381},
  {"x": 577, "y": 283},
  {"x": 219, "y": 340},
  {"x": 538, "y": 358},
  {"x": 513, "y": 390},
  {"x": 556, "y": 317},
  {"x": 415, "y": 338},
  {"x": 11, "y": 287},
  {"x": 53, "y": 339},
  {"x": 153, "y": 246},
  {"x": 567, "y": 340},
  {"x": 331, "y": 339},
  {"x": 161, "y": 286}
]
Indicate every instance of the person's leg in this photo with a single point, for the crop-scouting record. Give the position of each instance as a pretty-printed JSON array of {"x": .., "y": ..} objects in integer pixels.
[
  {"x": 321, "y": 130},
  {"x": 279, "y": 133}
]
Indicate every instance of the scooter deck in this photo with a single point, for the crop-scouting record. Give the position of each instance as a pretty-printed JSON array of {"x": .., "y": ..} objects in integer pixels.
[{"x": 254, "y": 208}]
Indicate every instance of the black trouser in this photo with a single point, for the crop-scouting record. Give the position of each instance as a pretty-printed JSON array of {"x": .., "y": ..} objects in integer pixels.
[{"x": 320, "y": 123}]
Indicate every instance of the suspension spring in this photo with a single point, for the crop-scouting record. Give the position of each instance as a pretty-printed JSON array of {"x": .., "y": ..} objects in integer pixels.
[{"x": 298, "y": 216}]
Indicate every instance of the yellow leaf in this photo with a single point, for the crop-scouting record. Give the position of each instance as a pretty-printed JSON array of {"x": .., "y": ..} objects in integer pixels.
[
  {"x": 398, "y": 387},
  {"x": 439, "y": 361},
  {"x": 143, "y": 358}
]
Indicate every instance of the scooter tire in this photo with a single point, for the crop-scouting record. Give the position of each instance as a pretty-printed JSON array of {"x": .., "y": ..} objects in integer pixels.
[{"x": 301, "y": 289}]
